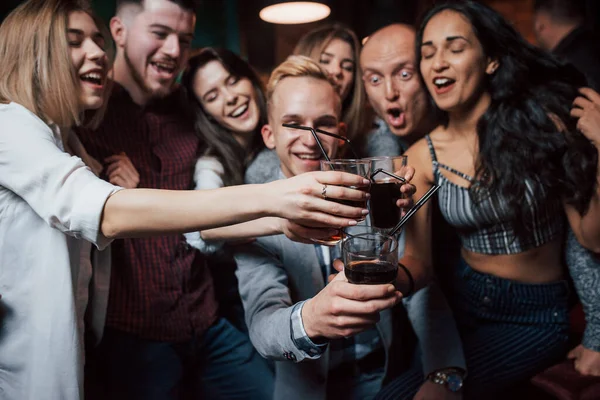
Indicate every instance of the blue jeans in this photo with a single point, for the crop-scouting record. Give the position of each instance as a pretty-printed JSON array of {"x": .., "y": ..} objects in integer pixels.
[
  {"x": 510, "y": 331},
  {"x": 222, "y": 364}
]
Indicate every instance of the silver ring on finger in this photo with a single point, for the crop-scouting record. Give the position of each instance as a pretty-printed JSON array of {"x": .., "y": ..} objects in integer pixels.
[{"x": 324, "y": 192}]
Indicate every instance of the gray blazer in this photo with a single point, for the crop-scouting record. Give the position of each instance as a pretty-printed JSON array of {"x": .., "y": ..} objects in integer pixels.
[{"x": 275, "y": 273}]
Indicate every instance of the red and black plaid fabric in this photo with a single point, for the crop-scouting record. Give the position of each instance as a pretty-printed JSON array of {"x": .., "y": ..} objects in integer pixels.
[{"x": 161, "y": 288}]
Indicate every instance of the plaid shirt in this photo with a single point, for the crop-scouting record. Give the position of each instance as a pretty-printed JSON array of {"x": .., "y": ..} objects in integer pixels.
[
  {"x": 161, "y": 288},
  {"x": 341, "y": 351}
]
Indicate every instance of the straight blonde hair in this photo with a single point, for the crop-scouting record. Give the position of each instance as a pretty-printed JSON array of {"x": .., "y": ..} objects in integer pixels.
[
  {"x": 35, "y": 62},
  {"x": 312, "y": 45},
  {"x": 295, "y": 67}
]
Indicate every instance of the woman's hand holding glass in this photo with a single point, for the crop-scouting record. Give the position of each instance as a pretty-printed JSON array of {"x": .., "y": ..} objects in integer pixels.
[{"x": 305, "y": 199}]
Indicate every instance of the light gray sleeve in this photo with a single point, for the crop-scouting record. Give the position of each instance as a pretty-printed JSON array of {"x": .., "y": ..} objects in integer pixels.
[
  {"x": 439, "y": 343},
  {"x": 584, "y": 267},
  {"x": 382, "y": 142},
  {"x": 264, "y": 168},
  {"x": 268, "y": 306}
]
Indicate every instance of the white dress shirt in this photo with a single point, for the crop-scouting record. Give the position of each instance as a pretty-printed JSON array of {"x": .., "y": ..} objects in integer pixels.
[{"x": 50, "y": 205}]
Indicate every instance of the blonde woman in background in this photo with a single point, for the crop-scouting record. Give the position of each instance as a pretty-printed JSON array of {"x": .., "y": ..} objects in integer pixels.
[{"x": 337, "y": 50}]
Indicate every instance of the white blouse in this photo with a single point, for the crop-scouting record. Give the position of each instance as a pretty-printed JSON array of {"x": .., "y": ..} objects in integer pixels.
[{"x": 50, "y": 205}]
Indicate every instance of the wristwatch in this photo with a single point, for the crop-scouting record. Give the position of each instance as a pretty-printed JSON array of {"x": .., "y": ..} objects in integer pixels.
[{"x": 451, "y": 378}]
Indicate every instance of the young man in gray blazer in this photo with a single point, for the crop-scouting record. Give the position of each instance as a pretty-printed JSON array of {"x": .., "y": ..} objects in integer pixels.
[{"x": 328, "y": 340}]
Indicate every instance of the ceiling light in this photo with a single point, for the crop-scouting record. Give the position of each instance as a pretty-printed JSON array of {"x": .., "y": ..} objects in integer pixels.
[{"x": 294, "y": 12}]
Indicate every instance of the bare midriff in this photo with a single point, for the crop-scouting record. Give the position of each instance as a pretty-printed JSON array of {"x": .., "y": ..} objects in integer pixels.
[{"x": 539, "y": 265}]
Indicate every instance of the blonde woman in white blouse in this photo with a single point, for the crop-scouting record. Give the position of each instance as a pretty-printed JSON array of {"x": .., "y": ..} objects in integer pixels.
[{"x": 53, "y": 69}]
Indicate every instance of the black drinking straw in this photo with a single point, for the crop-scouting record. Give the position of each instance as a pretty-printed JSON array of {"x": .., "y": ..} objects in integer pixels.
[
  {"x": 314, "y": 133},
  {"x": 414, "y": 209},
  {"x": 383, "y": 171}
]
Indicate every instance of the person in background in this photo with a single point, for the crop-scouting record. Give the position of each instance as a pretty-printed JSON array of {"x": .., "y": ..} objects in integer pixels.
[
  {"x": 228, "y": 102},
  {"x": 336, "y": 49},
  {"x": 53, "y": 208},
  {"x": 394, "y": 90},
  {"x": 163, "y": 334},
  {"x": 506, "y": 139},
  {"x": 230, "y": 110},
  {"x": 583, "y": 264},
  {"x": 559, "y": 27},
  {"x": 328, "y": 340}
]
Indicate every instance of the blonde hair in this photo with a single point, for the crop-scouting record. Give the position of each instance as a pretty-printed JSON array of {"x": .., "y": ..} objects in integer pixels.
[
  {"x": 35, "y": 62},
  {"x": 312, "y": 45},
  {"x": 296, "y": 67}
]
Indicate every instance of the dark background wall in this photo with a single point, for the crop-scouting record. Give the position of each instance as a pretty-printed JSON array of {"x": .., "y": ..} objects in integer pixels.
[
  {"x": 235, "y": 23},
  {"x": 217, "y": 20}
]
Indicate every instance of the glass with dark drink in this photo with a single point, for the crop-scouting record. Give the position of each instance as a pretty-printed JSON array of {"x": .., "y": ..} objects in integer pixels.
[
  {"x": 356, "y": 167},
  {"x": 370, "y": 258},
  {"x": 385, "y": 191}
]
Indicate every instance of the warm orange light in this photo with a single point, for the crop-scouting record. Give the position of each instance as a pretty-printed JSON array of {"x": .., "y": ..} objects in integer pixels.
[{"x": 294, "y": 12}]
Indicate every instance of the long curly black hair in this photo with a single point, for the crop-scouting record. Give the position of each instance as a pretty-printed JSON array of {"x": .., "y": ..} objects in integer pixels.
[{"x": 527, "y": 133}]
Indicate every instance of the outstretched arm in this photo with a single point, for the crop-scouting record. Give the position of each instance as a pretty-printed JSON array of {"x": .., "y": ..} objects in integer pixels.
[{"x": 137, "y": 212}]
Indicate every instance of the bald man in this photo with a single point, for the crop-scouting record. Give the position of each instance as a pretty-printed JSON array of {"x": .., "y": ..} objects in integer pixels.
[{"x": 392, "y": 82}]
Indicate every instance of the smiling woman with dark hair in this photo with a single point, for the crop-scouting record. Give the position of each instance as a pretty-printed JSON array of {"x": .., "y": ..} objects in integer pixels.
[
  {"x": 228, "y": 103},
  {"x": 229, "y": 106},
  {"x": 513, "y": 171}
]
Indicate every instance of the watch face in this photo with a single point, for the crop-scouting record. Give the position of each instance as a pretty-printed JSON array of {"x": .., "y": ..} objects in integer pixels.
[{"x": 454, "y": 382}]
